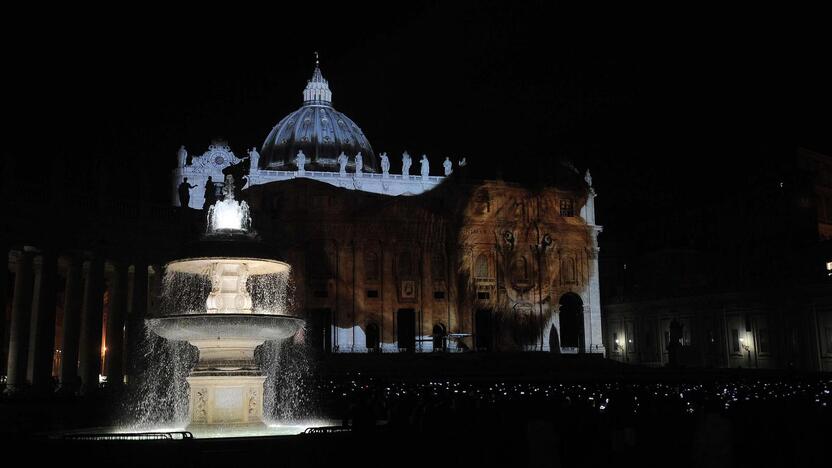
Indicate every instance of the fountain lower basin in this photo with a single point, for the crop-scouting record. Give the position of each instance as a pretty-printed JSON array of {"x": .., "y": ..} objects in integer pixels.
[{"x": 226, "y": 386}]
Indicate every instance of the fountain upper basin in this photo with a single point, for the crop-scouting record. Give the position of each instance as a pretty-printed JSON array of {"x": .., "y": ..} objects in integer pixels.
[
  {"x": 203, "y": 265},
  {"x": 230, "y": 327}
]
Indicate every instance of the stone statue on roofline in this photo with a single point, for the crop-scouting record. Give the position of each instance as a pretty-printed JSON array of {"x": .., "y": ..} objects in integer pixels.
[
  {"x": 462, "y": 162},
  {"x": 406, "y": 162},
  {"x": 300, "y": 160},
  {"x": 182, "y": 156},
  {"x": 359, "y": 164},
  {"x": 385, "y": 165},
  {"x": 448, "y": 165},
  {"x": 342, "y": 164},
  {"x": 425, "y": 166},
  {"x": 254, "y": 159}
]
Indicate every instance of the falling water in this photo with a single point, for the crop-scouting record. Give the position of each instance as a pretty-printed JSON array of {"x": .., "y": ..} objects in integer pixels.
[
  {"x": 287, "y": 396},
  {"x": 159, "y": 394},
  {"x": 185, "y": 293},
  {"x": 272, "y": 293}
]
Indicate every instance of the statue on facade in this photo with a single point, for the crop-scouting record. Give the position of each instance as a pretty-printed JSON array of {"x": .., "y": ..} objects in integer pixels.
[
  {"x": 425, "y": 166},
  {"x": 385, "y": 165},
  {"x": 300, "y": 160},
  {"x": 210, "y": 193},
  {"x": 254, "y": 159},
  {"x": 185, "y": 193},
  {"x": 359, "y": 164},
  {"x": 406, "y": 162},
  {"x": 182, "y": 156},
  {"x": 462, "y": 162},
  {"x": 448, "y": 165},
  {"x": 588, "y": 178},
  {"x": 342, "y": 164}
]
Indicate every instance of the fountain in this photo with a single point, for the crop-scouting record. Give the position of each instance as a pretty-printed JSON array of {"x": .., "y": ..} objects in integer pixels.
[{"x": 226, "y": 386}]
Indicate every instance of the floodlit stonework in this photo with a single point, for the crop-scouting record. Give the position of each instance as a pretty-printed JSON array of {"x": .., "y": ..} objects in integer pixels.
[{"x": 402, "y": 262}]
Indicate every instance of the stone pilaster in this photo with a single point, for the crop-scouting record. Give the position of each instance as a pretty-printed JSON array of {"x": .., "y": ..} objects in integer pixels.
[
  {"x": 42, "y": 336},
  {"x": 73, "y": 294},
  {"x": 114, "y": 358},
  {"x": 21, "y": 321},
  {"x": 89, "y": 365}
]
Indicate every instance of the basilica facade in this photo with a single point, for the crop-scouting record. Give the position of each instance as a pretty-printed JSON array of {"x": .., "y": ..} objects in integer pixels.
[{"x": 389, "y": 261}]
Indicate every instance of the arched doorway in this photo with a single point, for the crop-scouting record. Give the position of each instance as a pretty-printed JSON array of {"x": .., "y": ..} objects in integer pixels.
[
  {"x": 406, "y": 329},
  {"x": 483, "y": 328},
  {"x": 372, "y": 337},
  {"x": 571, "y": 321}
]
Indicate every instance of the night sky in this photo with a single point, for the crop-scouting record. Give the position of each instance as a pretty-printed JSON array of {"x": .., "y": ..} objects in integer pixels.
[{"x": 657, "y": 108}]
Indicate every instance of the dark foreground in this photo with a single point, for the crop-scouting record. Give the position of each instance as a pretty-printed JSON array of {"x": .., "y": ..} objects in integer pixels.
[{"x": 616, "y": 416}]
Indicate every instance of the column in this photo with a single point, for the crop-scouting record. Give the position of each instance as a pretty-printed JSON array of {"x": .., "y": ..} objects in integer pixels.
[
  {"x": 42, "y": 336},
  {"x": 135, "y": 321},
  {"x": 114, "y": 359},
  {"x": 4, "y": 277},
  {"x": 73, "y": 295},
  {"x": 19, "y": 327},
  {"x": 592, "y": 319},
  {"x": 89, "y": 362}
]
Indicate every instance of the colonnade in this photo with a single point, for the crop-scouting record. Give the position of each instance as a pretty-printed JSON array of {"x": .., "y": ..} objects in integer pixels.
[{"x": 74, "y": 351}]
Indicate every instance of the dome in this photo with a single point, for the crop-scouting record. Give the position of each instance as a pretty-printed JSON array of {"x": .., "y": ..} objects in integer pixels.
[{"x": 320, "y": 131}]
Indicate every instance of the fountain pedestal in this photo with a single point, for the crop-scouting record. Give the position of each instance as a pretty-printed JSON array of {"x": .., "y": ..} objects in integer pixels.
[{"x": 226, "y": 400}]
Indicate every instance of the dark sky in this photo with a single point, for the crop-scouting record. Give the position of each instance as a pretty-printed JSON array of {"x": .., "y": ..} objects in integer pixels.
[{"x": 652, "y": 108}]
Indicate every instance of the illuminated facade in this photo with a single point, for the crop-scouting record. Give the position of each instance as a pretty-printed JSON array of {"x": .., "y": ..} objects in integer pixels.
[{"x": 393, "y": 262}]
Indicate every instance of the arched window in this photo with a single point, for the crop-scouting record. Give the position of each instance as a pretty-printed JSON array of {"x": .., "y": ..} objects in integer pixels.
[
  {"x": 321, "y": 261},
  {"x": 568, "y": 272},
  {"x": 405, "y": 264},
  {"x": 371, "y": 266},
  {"x": 437, "y": 265},
  {"x": 481, "y": 266}
]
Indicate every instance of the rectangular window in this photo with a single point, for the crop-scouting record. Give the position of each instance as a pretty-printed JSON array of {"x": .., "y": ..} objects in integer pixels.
[
  {"x": 735, "y": 340},
  {"x": 320, "y": 293},
  {"x": 439, "y": 294},
  {"x": 372, "y": 293},
  {"x": 483, "y": 295},
  {"x": 567, "y": 208},
  {"x": 763, "y": 337}
]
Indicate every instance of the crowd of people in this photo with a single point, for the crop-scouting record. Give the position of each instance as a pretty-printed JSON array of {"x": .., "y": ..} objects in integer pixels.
[{"x": 720, "y": 423}]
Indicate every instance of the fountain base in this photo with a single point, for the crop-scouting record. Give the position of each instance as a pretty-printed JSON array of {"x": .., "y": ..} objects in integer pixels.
[
  {"x": 226, "y": 384},
  {"x": 226, "y": 400}
]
